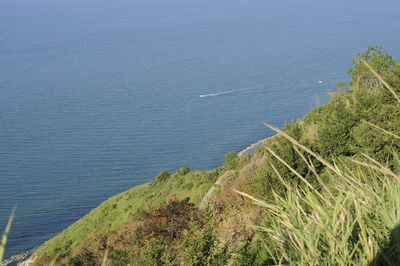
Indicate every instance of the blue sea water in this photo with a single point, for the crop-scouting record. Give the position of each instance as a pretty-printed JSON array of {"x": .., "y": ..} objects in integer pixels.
[{"x": 98, "y": 96}]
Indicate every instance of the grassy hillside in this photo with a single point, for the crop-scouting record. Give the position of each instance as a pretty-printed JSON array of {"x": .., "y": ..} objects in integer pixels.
[
  {"x": 121, "y": 209},
  {"x": 324, "y": 190}
]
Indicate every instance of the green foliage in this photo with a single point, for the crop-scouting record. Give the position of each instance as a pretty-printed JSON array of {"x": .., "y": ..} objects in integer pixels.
[
  {"x": 339, "y": 128},
  {"x": 183, "y": 171},
  {"x": 118, "y": 211},
  {"x": 335, "y": 125},
  {"x": 266, "y": 178},
  {"x": 341, "y": 85},
  {"x": 252, "y": 255},
  {"x": 121, "y": 255},
  {"x": 163, "y": 175},
  {"x": 200, "y": 245},
  {"x": 356, "y": 226},
  {"x": 230, "y": 160},
  {"x": 378, "y": 59},
  {"x": 342, "y": 129},
  {"x": 154, "y": 253}
]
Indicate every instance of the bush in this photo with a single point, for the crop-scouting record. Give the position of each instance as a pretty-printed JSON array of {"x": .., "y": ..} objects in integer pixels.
[
  {"x": 200, "y": 245},
  {"x": 341, "y": 86},
  {"x": 163, "y": 175},
  {"x": 183, "y": 171},
  {"x": 153, "y": 253},
  {"x": 230, "y": 160},
  {"x": 378, "y": 59}
]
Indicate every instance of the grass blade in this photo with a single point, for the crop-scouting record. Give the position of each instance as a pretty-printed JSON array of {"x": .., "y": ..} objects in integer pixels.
[
  {"x": 4, "y": 238},
  {"x": 380, "y": 79}
]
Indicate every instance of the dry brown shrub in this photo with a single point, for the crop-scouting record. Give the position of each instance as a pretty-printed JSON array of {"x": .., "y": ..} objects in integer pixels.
[
  {"x": 90, "y": 252},
  {"x": 167, "y": 222}
]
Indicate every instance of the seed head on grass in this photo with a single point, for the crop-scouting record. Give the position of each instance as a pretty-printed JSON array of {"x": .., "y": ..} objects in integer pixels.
[{"x": 4, "y": 238}]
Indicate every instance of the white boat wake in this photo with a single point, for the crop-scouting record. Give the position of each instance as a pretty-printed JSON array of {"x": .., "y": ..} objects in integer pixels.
[{"x": 220, "y": 93}]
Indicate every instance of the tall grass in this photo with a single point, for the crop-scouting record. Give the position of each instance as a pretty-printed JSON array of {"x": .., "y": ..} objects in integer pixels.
[
  {"x": 5, "y": 235},
  {"x": 353, "y": 220}
]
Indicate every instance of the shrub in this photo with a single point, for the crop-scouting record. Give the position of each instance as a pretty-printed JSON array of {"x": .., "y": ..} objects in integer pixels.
[
  {"x": 121, "y": 256},
  {"x": 153, "y": 253},
  {"x": 200, "y": 245},
  {"x": 163, "y": 175},
  {"x": 341, "y": 86},
  {"x": 183, "y": 171},
  {"x": 230, "y": 160},
  {"x": 378, "y": 59}
]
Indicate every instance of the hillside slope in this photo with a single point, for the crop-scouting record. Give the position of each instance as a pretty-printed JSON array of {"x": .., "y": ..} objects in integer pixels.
[
  {"x": 119, "y": 210},
  {"x": 316, "y": 185}
]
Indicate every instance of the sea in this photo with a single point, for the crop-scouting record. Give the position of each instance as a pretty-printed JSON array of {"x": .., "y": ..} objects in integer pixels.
[{"x": 98, "y": 96}]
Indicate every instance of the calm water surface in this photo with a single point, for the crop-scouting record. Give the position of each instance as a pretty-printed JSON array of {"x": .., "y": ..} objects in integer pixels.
[{"x": 98, "y": 96}]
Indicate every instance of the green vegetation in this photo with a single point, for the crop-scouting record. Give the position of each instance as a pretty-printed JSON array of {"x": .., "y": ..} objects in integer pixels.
[
  {"x": 183, "y": 171},
  {"x": 163, "y": 175},
  {"x": 230, "y": 160},
  {"x": 324, "y": 190},
  {"x": 334, "y": 175},
  {"x": 341, "y": 86},
  {"x": 154, "y": 253},
  {"x": 356, "y": 221},
  {"x": 120, "y": 210},
  {"x": 200, "y": 244},
  {"x": 346, "y": 126}
]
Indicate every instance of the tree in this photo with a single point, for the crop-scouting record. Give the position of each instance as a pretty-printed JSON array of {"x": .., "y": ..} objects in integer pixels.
[{"x": 378, "y": 59}]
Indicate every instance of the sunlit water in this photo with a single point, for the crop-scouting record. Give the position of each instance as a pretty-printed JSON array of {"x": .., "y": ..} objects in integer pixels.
[{"x": 98, "y": 96}]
